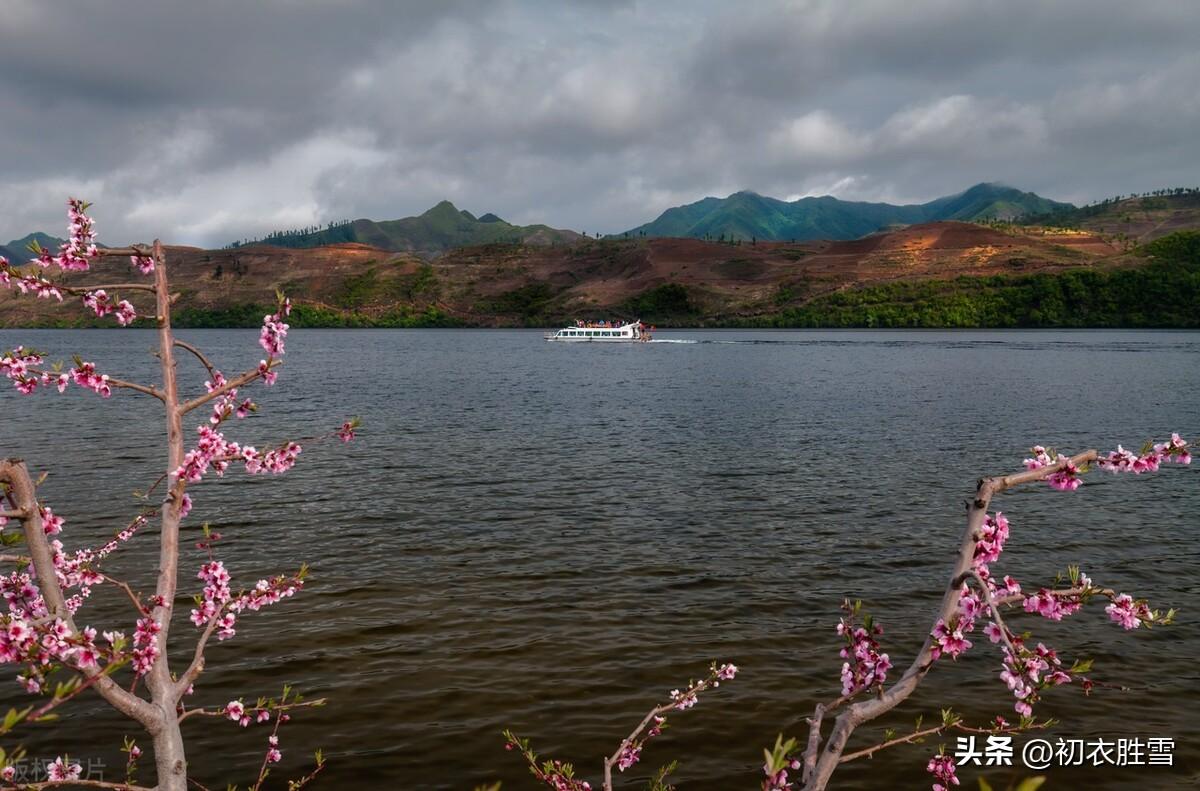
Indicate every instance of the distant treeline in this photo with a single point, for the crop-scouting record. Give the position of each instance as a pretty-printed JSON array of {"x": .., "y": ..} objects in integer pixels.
[
  {"x": 1164, "y": 293},
  {"x": 1069, "y": 217},
  {"x": 311, "y": 236}
]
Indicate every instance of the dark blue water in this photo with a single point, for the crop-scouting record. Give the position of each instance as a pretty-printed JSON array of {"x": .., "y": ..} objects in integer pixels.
[{"x": 549, "y": 537}]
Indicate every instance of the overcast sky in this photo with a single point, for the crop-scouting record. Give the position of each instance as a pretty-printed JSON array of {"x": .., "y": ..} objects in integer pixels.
[{"x": 204, "y": 122}]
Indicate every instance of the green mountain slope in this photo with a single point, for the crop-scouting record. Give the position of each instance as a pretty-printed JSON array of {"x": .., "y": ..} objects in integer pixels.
[
  {"x": 747, "y": 215},
  {"x": 17, "y": 251},
  {"x": 440, "y": 229}
]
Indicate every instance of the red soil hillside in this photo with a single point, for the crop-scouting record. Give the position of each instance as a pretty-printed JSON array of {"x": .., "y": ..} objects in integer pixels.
[{"x": 505, "y": 284}]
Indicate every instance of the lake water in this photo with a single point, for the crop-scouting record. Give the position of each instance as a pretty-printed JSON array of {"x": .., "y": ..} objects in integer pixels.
[{"x": 549, "y": 537}]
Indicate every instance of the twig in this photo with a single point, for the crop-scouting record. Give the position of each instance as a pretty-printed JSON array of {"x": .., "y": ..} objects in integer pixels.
[
  {"x": 197, "y": 666},
  {"x": 1037, "y": 726},
  {"x": 1017, "y": 597},
  {"x": 133, "y": 597},
  {"x": 107, "y": 287},
  {"x": 212, "y": 371},
  {"x": 77, "y": 784},
  {"x": 152, "y": 391},
  {"x": 994, "y": 610},
  {"x": 249, "y": 376}
]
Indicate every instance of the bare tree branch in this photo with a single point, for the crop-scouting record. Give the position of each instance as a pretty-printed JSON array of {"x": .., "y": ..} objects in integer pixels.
[
  {"x": 212, "y": 370},
  {"x": 867, "y": 710}
]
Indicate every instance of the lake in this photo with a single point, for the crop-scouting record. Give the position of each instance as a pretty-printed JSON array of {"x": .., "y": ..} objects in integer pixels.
[{"x": 550, "y": 537}]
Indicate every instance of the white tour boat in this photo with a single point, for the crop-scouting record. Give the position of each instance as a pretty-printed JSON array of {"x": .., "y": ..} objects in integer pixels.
[{"x": 603, "y": 332}]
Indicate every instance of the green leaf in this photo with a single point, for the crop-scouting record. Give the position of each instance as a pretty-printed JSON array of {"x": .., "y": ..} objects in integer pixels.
[{"x": 1031, "y": 784}]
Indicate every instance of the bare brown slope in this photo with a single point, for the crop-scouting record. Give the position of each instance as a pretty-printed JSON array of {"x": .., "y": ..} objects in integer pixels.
[
  {"x": 1132, "y": 220},
  {"x": 508, "y": 284}
]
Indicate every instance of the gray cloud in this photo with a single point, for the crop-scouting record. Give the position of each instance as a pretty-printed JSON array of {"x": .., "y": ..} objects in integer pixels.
[{"x": 206, "y": 122}]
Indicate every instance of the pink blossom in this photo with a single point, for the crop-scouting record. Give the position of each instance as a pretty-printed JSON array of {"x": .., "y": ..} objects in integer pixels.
[
  {"x": 346, "y": 432},
  {"x": 1067, "y": 478},
  {"x": 1125, "y": 611},
  {"x": 948, "y": 640},
  {"x": 61, "y": 771},
  {"x": 52, "y": 524},
  {"x": 993, "y": 534},
  {"x": 268, "y": 376},
  {"x": 144, "y": 263},
  {"x": 1045, "y": 604},
  {"x": 125, "y": 313},
  {"x": 629, "y": 756},
  {"x": 273, "y": 333},
  {"x": 865, "y": 665},
  {"x": 235, "y": 710},
  {"x": 1040, "y": 458},
  {"x": 84, "y": 374},
  {"x": 145, "y": 642},
  {"x": 943, "y": 770}
]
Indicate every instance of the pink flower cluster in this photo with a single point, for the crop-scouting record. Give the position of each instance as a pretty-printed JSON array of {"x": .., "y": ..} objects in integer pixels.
[
  {"x": 26, "y": 283},
  {"x": 226, "y": 404},
  {"x": 84, "y": 374},
  {"x": 949, "y": 639},
  {"x": 101, "y": 304},
  {"x": 145, "y": 645},
  {"x": 1029, "y": 672},
  {"x": 144, "y": 263},
  {"x": 80, "y": 247},
  {"x": 1041, "y": 458},
  {"x": 217, "y": 602},
  {"x": 1127, "y": 612},
  {"x": 18, "y": 366},
  {"x": 214, "y": 597},
  {"x": 214, "y": 451},
  {"x": 1066, "y": 479},
  {"x": 346, "y": 432},
  {"x": 274, "y": 330},
  {"x": 990, "y": 543},
  {"x": 1054, "y": 606},
  {"x": 943, "y": 770},
  {"x": 1121, "y": 460},
  {"x": 865, "y": 666}
]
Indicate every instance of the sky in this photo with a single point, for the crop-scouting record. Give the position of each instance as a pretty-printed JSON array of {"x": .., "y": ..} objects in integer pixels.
[{"x": 204, "y": 123}]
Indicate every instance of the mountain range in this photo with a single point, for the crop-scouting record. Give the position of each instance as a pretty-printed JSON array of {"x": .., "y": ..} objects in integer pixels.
[
  {"x": 748, "y": 215},
  {"x": 743, "y": 215},
  {"x": 442, "y": 228}
]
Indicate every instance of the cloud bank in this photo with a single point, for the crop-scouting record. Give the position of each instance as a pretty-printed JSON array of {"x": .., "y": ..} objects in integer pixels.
[{"x": 208, "y": 122}]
